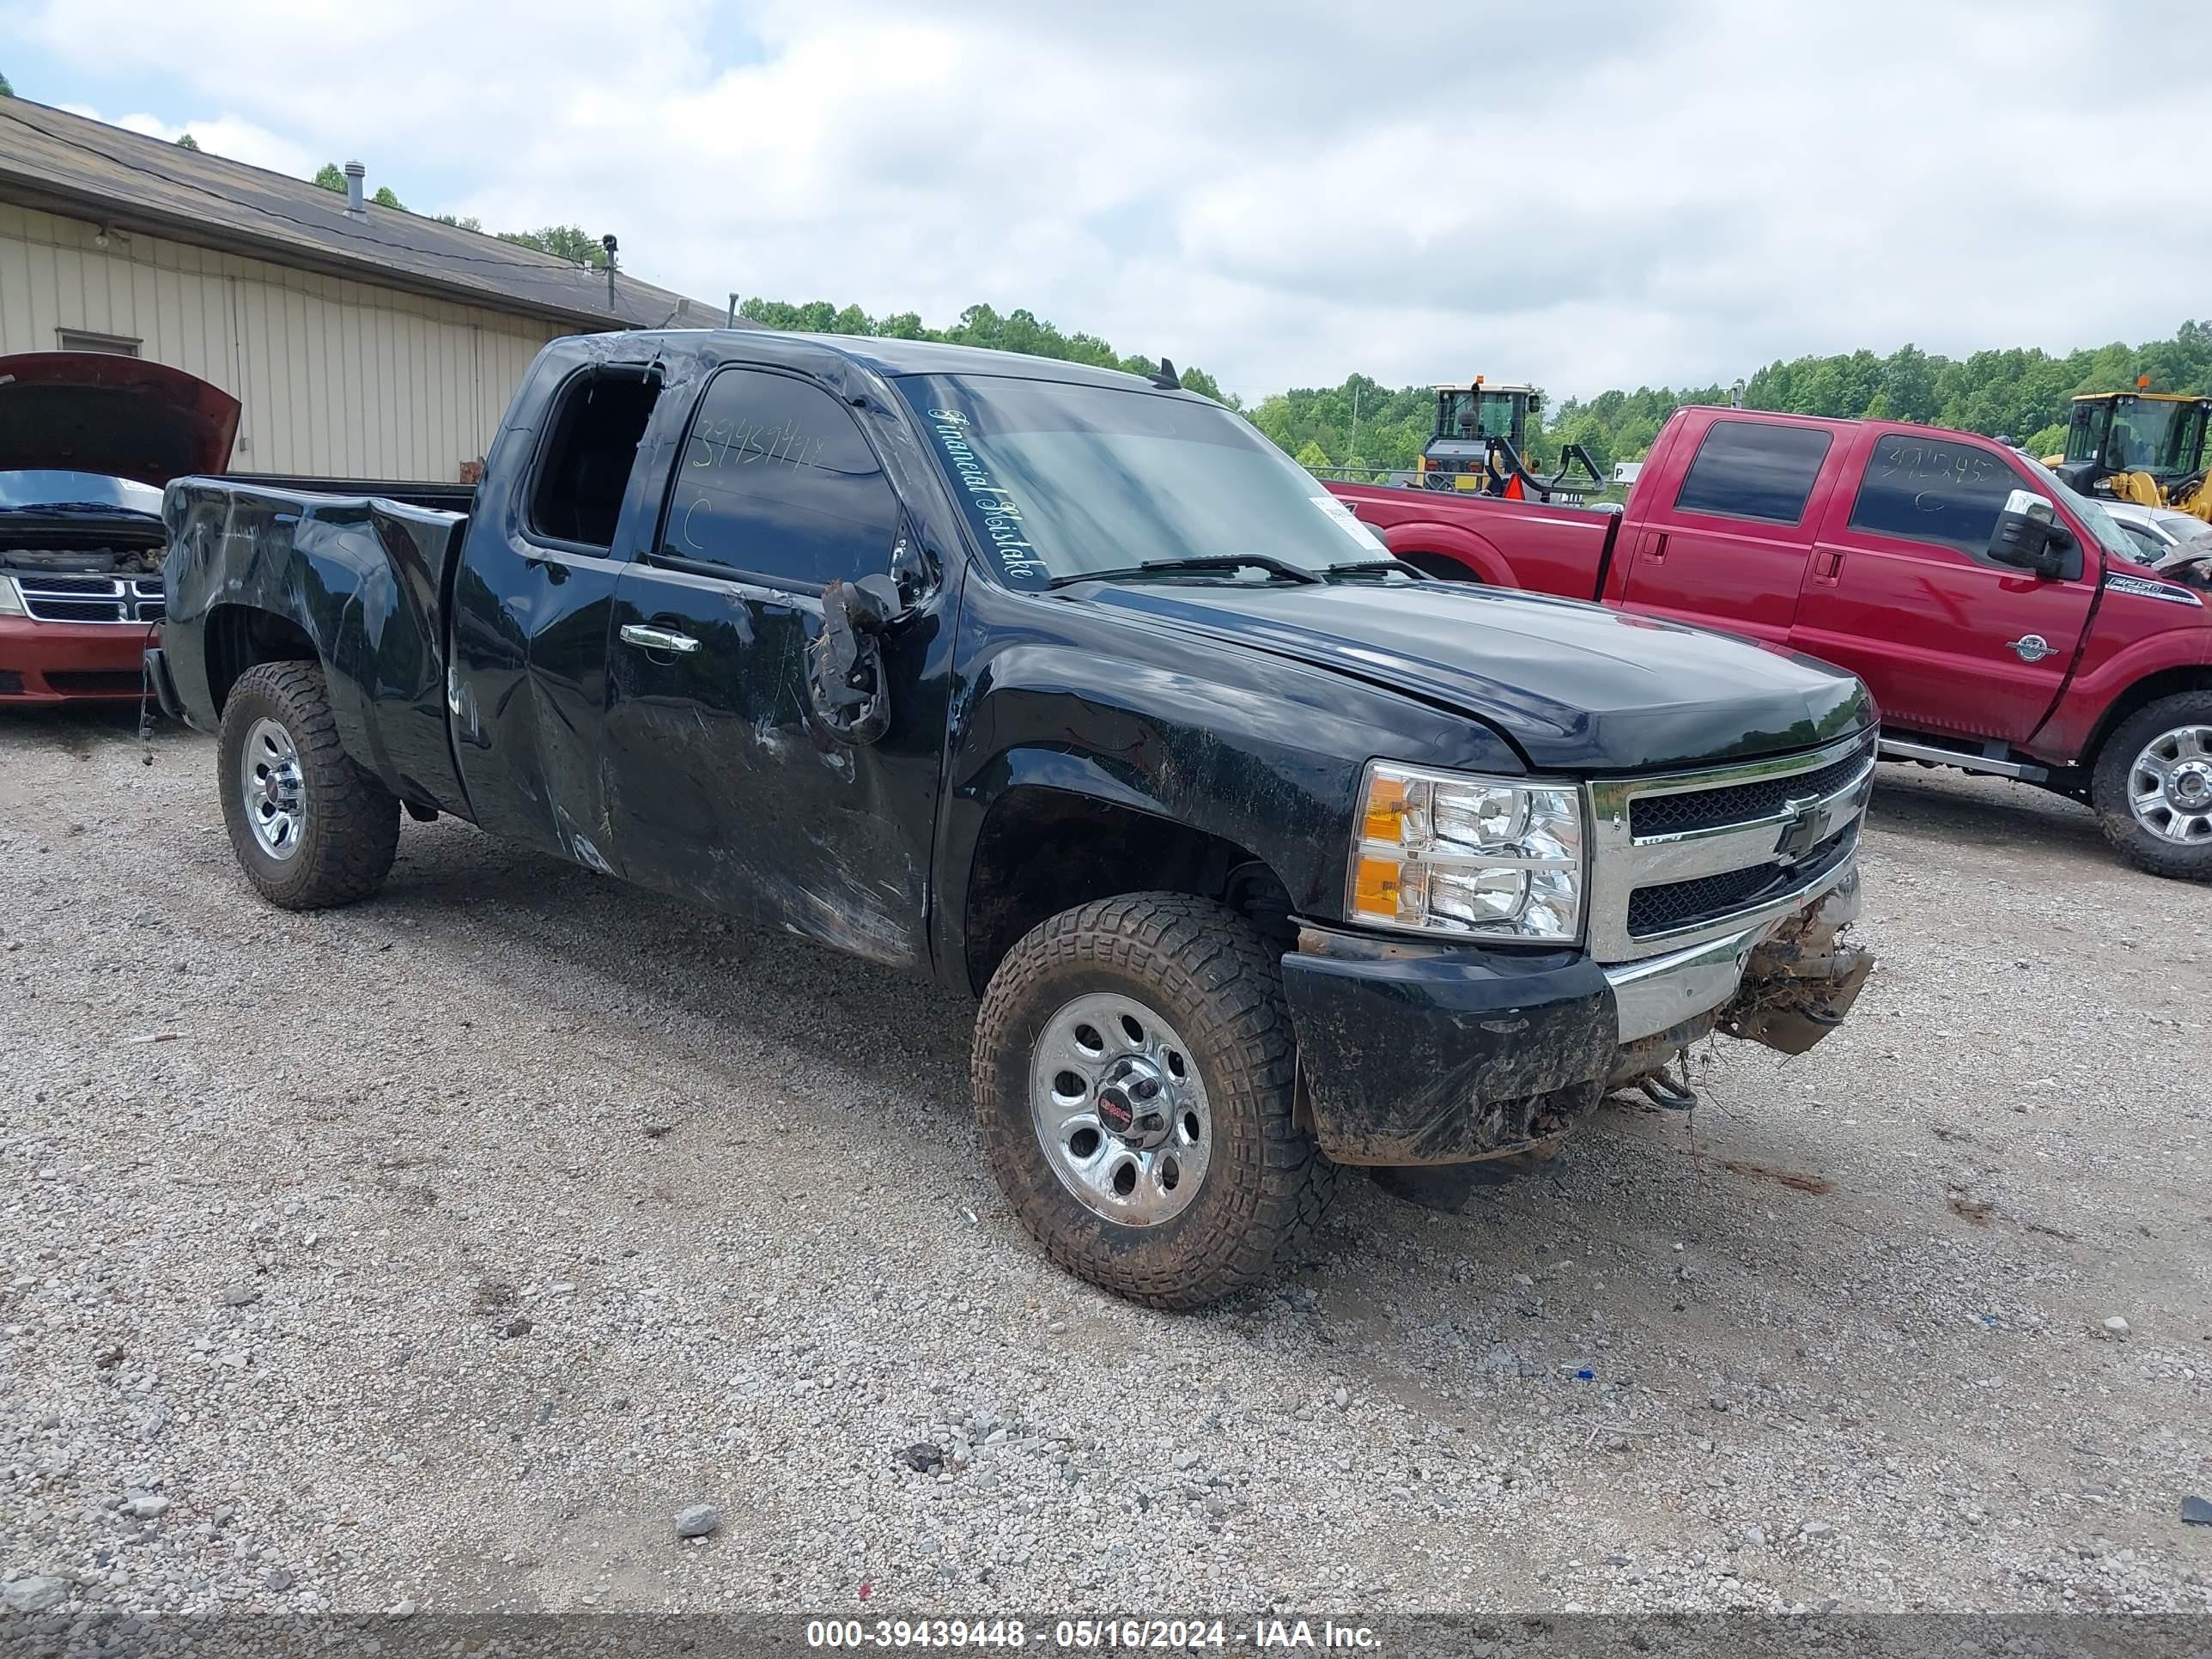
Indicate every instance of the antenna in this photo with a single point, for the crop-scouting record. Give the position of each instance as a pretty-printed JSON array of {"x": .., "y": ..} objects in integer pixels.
[
  {"x": 1165, "y": 379},
  {"x": 609, "y": 243}
]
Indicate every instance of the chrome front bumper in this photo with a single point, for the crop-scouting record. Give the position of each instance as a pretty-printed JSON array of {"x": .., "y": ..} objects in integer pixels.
[{"x": 1661, "y": 992}]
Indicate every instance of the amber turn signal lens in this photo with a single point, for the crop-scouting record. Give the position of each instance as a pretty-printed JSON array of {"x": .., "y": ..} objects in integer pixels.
[
  {"x": 1377, "y": 889},
  {"x": 1386, "y": 809}
]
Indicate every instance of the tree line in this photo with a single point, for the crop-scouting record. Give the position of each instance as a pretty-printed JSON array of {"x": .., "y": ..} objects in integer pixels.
[
  {"x": 2020, "y": 393},
  {"x": 979, "y": 325}
]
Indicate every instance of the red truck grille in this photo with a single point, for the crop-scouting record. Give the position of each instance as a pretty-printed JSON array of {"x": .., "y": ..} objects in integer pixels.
[{"x": 91, "y": 598}]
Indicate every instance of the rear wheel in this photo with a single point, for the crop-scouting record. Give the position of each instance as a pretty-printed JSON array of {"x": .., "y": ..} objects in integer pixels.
[
  {"x": 309, "y": 828},
  {"x": 2151, "y": 787},
  {"x": 1133, "y": 1075}
]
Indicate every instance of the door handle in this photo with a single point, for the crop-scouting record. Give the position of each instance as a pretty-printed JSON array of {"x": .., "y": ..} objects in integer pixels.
[
  {"x": 657, "y": 638},
  {"x": 1657, "y": 551},
  {"x": 1828, "y": 565}
]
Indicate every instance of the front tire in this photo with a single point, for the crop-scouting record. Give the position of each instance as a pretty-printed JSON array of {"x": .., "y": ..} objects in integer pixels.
[
  {"x": 2151, "y": 787},
  {"x": 1133, "y": 1073},
  {"x": 309, "y": 828}
]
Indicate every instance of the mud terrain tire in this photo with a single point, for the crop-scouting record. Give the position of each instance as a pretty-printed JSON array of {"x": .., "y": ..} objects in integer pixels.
[
  {"x": 337, "y": 843},
  {"x": 1215, "y": 983}
]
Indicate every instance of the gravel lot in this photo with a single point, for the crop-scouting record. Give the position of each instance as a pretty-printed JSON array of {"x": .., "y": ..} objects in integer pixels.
[{"x": 441, "y": 1250}]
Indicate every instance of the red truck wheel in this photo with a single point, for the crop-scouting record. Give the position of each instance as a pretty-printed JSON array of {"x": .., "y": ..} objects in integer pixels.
[
  {"x": 309, "y": 828},
  {"x": 2151, "y": 787},
  {"x": 1133, "y": 1070}
]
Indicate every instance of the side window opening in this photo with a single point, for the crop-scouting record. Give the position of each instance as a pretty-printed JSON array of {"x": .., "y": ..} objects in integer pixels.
[
  {"x": 775, "y": 482},
  {"x": 1752, "y": 470},
  {"x": 584, "y": 467}
]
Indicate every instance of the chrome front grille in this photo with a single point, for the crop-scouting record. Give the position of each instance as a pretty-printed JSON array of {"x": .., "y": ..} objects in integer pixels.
[
  {"x": 1691, "y": 856},
  {"x": 91, "y": 598}
]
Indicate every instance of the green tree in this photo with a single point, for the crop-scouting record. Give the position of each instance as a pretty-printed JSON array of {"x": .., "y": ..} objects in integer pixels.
[
  {"x": 569, "y": 242},
  {"x": 6, "y": 91},
  {"x": 1311, "y": 455},
  {"x": 469, "y": 224},
  {"x": 185, "y": 141},
  {"x": 330, "y": 176},
  {"x": 384, "y": 197}
]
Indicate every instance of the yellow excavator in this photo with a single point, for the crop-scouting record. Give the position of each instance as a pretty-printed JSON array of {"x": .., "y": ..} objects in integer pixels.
[{"x": 2144, "y": 446}]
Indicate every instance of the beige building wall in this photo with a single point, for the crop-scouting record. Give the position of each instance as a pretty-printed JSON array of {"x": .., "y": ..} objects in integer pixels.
[{"x": 337, "y": 377}]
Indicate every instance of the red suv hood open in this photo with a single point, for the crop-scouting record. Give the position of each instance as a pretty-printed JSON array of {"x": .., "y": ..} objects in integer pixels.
[{"x": 92, "y": 411}]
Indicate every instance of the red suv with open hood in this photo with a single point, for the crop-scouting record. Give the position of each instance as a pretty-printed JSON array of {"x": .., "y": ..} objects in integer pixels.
[{"x": 87, "y": 440}]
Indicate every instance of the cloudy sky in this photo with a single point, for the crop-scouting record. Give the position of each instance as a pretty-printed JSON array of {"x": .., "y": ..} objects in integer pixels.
[{"x": 1583, "y": 194}]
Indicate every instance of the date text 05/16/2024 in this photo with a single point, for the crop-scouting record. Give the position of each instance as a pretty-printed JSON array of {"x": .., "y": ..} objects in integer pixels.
[{"x": 1108, "y": 1634}]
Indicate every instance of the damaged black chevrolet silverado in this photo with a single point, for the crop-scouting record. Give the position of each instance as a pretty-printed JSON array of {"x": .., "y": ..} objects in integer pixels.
[{"x": 1266, "y": 855}]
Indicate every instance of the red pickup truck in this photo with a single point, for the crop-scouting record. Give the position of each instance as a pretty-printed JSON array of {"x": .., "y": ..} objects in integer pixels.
[{"x": 2004, "y": 623}]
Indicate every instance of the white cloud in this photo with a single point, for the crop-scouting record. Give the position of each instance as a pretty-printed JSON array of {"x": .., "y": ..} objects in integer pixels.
[
  {"x": 224, "y": 136},
  {"x": 1587, "y": 195}
]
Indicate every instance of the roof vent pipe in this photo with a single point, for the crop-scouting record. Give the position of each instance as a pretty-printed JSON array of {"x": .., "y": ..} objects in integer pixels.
[{"x": 354, "y": 172}]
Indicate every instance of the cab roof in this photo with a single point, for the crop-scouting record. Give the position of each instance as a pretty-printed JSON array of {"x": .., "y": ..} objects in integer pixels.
[{"x": 895, "y": 359}]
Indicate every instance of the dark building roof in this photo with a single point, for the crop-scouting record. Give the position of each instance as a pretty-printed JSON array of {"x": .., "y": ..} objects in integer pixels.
[{"x": 66, "y": 164}]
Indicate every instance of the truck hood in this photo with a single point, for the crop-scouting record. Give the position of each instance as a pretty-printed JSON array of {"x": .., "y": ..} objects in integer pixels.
[
  {"x": 93, "y": 412},
  {"x": 1576, "y": 688}
]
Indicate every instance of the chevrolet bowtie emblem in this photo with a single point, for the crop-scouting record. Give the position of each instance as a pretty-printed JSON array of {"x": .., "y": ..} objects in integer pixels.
[{"x": 1803, "y": 832}]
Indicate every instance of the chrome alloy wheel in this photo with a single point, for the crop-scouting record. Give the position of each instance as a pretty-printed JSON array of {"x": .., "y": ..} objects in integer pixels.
[
  {"x": 2170, "y": 786},
  {"x": 1120, "y": 1110},
  {"x": 276, "y": 795}
]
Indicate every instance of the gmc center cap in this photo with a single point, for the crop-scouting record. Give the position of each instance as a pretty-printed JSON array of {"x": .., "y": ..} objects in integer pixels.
[{"x": 1130, "y": 1102}]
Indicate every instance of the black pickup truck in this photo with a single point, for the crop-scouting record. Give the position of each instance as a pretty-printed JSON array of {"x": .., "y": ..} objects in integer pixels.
[{"x": 1266, "y": 855}]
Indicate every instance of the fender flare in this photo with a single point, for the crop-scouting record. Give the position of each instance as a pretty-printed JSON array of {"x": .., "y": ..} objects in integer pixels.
[
  {"x": 1463, "y": 547},
  {"x": 2084, "y": 712}
]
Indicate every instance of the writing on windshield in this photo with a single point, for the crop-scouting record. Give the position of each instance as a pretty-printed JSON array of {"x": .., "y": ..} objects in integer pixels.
[
  {"x": 1064, "y": 478},
  {"x": 996, "y": 513}
]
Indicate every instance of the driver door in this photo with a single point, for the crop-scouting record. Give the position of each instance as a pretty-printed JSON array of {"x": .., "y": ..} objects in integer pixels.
[
  {"x": 1901, "y": 590},
  {"x": 721, "y": 782}
]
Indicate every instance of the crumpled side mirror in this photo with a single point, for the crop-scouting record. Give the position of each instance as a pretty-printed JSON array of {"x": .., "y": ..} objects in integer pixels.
[{"x": 845, "y": 679}]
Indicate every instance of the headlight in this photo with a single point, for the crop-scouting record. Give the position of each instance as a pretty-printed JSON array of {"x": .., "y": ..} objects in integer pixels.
[
  {"x": 11, "y": 601},
  {"x": 1445, "y": 852}
]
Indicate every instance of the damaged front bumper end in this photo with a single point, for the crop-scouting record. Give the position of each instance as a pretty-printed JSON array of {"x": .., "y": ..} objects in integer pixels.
[{"x": 1413, "y": 1053}]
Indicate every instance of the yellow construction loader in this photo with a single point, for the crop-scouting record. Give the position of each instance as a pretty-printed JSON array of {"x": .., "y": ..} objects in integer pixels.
[{"x": 2144, "y": 446}]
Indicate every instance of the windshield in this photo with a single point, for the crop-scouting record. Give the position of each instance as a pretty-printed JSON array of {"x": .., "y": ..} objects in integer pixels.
[
  {"x": 1061, "y": 481},
  {"x": 2100, "y": 524},
  {"x": 1475, "y": 416},
  {"x": 19, "y": 490},
  {"x": 2157, "y": 437}
]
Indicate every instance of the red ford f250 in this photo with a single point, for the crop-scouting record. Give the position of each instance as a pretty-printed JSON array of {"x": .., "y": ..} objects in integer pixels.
[{"x": 2004, "y": 623}]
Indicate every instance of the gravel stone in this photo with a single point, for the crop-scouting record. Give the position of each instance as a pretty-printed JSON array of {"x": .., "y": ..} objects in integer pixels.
[
  {"x": 784, "y": 1296},
  {"x": 2116, "y": 1326},
  {"x": 697, "y": 1521},
  {"x": 33, "y": 1595}
]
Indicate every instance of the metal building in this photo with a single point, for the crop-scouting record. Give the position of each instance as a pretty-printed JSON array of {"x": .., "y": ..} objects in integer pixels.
[{"x": 364, "y": 342}]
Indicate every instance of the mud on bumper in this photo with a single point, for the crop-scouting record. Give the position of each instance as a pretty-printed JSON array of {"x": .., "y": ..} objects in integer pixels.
[{"x": 1413, "y": 1052}]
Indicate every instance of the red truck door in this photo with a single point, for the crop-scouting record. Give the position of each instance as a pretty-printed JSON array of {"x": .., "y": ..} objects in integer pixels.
[
  {"x": 1724, "y": 537},
  {"x": 1901, "y": 590}
]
